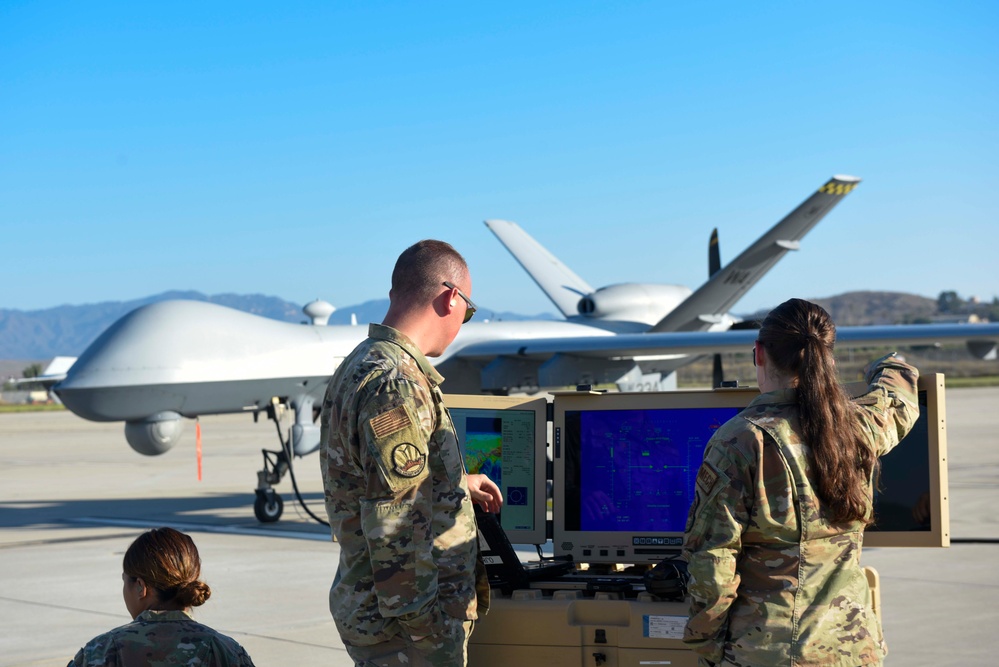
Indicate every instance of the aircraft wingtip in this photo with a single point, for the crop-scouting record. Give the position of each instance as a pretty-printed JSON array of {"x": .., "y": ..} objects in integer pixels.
[{"x": 847, "y": 178}]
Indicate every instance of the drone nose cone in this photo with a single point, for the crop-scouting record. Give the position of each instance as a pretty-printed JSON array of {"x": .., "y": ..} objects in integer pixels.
[
  {"x": 115, "y": 378},
  {"x": 82, "y": 403}
]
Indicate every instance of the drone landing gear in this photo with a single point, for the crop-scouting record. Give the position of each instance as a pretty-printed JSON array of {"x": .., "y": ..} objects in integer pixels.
[
  {"x": 302, "y": 439},
  {"x": 268, "y": 505}
]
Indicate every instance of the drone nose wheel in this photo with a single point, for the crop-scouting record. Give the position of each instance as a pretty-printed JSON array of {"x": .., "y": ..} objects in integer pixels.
[{"x": 268, "y": 506}]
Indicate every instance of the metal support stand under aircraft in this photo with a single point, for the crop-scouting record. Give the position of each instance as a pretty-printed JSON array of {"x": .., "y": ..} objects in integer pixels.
[{"x": 303, "y": 439}]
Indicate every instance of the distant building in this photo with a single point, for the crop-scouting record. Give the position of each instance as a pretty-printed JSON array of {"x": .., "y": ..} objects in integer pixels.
[
  {"x": 36, "y": 397},
  {"x": 958, "y": 318}
]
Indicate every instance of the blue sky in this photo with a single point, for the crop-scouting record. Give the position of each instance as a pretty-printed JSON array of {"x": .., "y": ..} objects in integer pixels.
[{"x": 294, "y": 149}]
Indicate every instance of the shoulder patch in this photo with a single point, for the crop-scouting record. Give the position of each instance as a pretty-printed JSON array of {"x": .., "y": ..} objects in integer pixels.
[
  {"x": 706, "y": 479},
  {"x": 389, "y": 422},
  {"x": 408, "y": 460}
]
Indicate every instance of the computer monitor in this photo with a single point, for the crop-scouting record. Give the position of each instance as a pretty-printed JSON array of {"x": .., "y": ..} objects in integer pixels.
[
  {"x": 505, "y": 438},
  {"x": 625, "y": 467},
  {"x": 911, "y": 506}
]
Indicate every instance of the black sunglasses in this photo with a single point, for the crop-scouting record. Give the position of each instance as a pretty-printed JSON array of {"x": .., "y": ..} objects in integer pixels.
[{"x": 470, "y": 307}]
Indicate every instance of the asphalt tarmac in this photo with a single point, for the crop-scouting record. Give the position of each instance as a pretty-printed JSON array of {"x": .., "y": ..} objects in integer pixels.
[{"x": 73, "y": 495}]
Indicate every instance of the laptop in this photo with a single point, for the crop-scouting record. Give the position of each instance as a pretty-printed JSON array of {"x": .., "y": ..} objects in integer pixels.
[{"x": 505, "y": 569}]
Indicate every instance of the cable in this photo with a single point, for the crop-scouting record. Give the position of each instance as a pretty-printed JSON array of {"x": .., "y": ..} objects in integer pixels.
[
  {"x": 286, "y": 445},
  {"x": 289, "y": 459}
]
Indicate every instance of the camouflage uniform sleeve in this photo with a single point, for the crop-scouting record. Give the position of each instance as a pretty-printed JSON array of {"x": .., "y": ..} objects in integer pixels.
[
  {"x": 396, "y": 510},
  {"x": 890, "y": 406},
  {"x": 101, "y": 650},
  {"x": 232, "y": 654},
  {"x": 712, "y": 542}
]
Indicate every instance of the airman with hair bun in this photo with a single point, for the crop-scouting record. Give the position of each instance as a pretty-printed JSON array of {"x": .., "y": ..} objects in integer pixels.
[{"x": 161, "y": 582}]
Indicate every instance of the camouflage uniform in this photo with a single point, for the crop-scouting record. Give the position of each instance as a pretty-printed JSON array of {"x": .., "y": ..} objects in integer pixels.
[
  {"x": 399, "y": 505},
  {"x": 159, "y": 639},
  {"x": 772, "y": 581}
]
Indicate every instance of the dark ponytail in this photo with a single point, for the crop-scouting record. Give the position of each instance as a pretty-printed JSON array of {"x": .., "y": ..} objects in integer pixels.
[{"x": 798, "y": 337}]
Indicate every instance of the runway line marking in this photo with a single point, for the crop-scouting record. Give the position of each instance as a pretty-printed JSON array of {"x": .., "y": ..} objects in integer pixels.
[
  {"x": 63, "y": 540},
  {"x": 201, "y": 528}
]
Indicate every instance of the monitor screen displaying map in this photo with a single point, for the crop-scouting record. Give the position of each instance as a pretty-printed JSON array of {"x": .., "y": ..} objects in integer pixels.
[{"x": 625, "y": 467}]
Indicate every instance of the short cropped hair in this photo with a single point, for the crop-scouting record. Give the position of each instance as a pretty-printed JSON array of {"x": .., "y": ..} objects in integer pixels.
[{"x": 423, "y": 267}]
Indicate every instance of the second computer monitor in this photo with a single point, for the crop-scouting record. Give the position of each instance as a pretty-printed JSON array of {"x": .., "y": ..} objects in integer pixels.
[{"x": 625, "y": 466}]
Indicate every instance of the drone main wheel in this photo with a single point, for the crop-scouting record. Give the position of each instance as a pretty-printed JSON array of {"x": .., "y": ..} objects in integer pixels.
[{"x": 268, "y": 507}]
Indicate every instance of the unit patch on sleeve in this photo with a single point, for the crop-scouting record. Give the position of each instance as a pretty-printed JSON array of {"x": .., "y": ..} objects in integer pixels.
[
  {"x": 389, "y": 422},
  {"x": 706, "y": 479},
  {"x": 408, "y": 460}
]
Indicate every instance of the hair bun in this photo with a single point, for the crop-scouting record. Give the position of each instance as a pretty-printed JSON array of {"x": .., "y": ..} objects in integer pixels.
[{"x": 193, "y": 593}]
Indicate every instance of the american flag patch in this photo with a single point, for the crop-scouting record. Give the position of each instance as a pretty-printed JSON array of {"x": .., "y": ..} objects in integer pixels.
[{"x": 389, "y": 422}]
